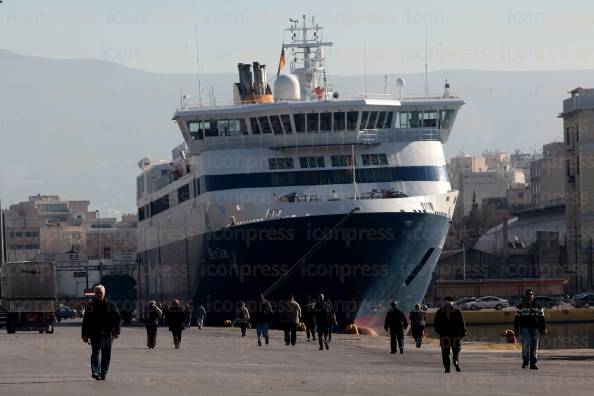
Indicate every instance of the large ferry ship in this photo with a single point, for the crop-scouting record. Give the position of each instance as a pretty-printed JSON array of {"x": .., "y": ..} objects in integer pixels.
[{"x": 298, "y": 190}]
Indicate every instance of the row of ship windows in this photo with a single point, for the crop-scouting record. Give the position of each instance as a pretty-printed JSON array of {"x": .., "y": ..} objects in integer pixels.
[
  {"x": 320, "y": 161},
  {"x": 340, "y": 121},
  {"x": 210, "y": 183}
]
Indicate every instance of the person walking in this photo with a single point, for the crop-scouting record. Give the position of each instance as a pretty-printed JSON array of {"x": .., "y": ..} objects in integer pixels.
[
  {"x": 417, "y": 324},
  {"x": 530, "y": 324},
  {"x": 331, "y": 319},
  {"x": 176, "y": 320},
  {"x": 322, "y": 316},
  {"x": 200, "y": 316},
  {"x": 290, "y": 317},
  {"x": 309, "y": 319},
  {"x": 396, "y": 322},
  {"x": 243, "y": 317},
  {"x": 261, "y": 317},
  {"x": 101, "y": 325},
  {"x": 451, "y": 328},
  {"x": 152, "y": 324},
  {"x": 188, "y": 314}
]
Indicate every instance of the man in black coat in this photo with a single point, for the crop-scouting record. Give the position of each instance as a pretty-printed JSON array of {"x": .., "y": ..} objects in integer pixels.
[
  {"x": 449, "y": 324},
  {"x": 322, "y": 318},
  {"x": 396, "y": 322},
  {"x": 530, "y": 324},
  {"x": 101, "y": 324}
]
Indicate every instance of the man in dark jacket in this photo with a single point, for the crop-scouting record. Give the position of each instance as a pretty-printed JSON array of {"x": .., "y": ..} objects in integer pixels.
[
  {"x": 530, "y": 324},
  {"x": 152, "y": 323},
  {"x": 396, "y": 322},
  {"x": 309, "y": 320},
  {"x": 322, "y": 317},
  {"x": 449, "y": 324},
  {"x": 101, "y": 324},
  {"x": 176, "y": 320},
  {"x": 261, "y": 317}
]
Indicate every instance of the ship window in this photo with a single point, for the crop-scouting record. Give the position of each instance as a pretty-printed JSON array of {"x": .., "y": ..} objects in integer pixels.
[
  {"x": 342, "y": 160},
  {"x": 430, "y": 119},
  {"x": 160, "y": 205},
  {"x": 364, "y": 117},
  {"x": 388, "y": 123},
  {"x": 381, "y": 117},
  {"x": 183, "y": 193},
  {"x": 277, "y": 125},
  {"x": 209, "y": 127},
  {"x": 446, "y": 118},
  {"x": 255, "y": 126},
  {"x": 194, "y": 130},
  {"x": 228, "y": 127},
  {"x": 325, "y": 122},
  {"x": 374, "y": 159},
  {"x": 371, "y": 120},
  {"x": 339, "y": 122},
  {"x": 141, "y": 214},
  {"x": 280, "y": 163},
  {"x": 242, "y": 126},
  {"x": 265, "y": 123},
  {"x": 299, "y": 122},
  {"x": 312, "y": 122},
  {"x": 402, "y": 120},
  {"x": 352, "y": 117},
  {"x": 312, "y": 162},
  {"x": 286, "y": 119},
  {"x": 415, "y": 119}
]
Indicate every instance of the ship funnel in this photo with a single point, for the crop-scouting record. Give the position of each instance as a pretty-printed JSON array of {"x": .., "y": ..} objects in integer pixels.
[
  {"x": 252, "y": 87},
  {"x": 259, "y": 78},
  {"x": 245, "y": 77}
]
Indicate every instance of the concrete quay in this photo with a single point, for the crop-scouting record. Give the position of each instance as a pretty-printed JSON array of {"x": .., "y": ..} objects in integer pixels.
[{"x": 217, "y": 361}]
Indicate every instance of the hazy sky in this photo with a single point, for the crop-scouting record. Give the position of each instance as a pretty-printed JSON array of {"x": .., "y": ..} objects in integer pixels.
[{"x": 158, "y": 35}]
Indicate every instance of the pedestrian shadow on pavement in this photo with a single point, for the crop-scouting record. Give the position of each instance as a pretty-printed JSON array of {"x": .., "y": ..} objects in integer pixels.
[
  {"x": 568, "y": 357},
  {"x": 46, "y": 381}
]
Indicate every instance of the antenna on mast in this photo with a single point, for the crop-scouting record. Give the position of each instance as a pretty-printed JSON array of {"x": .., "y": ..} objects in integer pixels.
[
  {"x": 198, "y": 68},
  {"x": 426, "y": 64},
  {"x": 365, "y": 65}
]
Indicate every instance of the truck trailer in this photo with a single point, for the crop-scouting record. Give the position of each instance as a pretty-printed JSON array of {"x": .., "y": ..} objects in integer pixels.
[{"x": 28, "y": 292}]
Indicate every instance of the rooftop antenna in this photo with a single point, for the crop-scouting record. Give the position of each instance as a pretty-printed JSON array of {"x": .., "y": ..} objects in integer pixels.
[
  {"x": 198, "y": 68},
  {"x": 426, "y": 64},
  {"x": 365, "y": 65}
]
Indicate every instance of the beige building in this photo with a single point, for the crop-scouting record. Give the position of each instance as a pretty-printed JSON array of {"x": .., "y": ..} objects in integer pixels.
[
  {"x": 480, "y": 186},
  {"x": 48, "y": 224},
  {"x": 519, "y": 198},
  {"x": 547, "y": 176},
  {"x": 578, "y": 128},
  {"x": 464, "y": 164}
]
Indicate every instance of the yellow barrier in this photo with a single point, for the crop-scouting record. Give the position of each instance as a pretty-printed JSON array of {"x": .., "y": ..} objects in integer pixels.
[
  {"x": 352, "y": 329},
  {"x": 507, "y": 316}
]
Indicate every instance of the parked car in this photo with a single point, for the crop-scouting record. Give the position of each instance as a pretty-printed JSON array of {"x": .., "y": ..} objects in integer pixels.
[
  {"x": 487, "y": 302},
  {"x": 461, "y": 303},
  {"x": 547, "y": 301},
  {"x": 65, "y": 312},
  {"x": 584, "y": 300}
]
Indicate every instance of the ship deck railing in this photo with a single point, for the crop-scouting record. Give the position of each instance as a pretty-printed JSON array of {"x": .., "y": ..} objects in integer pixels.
[
  {"x": 321, "y": 139},
  {"x": 185, "y": 106},
  {"x": 373, "y": 194}
]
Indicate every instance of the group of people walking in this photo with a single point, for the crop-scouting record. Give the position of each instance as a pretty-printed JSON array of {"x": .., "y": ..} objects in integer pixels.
[
  {"x": 449, "y": 324},
  {"x": 317, "y": 316},
  {"x": 101, "y": 325}
]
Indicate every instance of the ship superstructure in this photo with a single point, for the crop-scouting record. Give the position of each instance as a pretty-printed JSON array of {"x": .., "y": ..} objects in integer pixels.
[{"x": 297, "y": 190}]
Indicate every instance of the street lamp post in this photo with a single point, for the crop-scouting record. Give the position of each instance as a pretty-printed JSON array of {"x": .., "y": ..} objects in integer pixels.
[{"x": 98, "y": 244}]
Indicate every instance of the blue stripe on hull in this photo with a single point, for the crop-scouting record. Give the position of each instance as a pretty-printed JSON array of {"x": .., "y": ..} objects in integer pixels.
[{"x": 370, "y": 259}]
